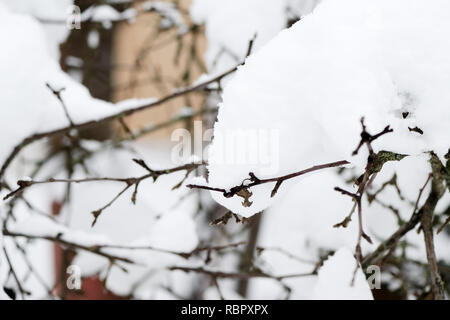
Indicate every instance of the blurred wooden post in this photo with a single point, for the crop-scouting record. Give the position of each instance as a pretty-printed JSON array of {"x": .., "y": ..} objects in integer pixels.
[{"x": 158, "y": 54}]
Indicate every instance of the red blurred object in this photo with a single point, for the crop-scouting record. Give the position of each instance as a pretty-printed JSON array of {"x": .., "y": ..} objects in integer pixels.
[{"x": 91, "y": 287}]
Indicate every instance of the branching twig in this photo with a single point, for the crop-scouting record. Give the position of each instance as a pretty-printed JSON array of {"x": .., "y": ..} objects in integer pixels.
[
  {"x": 254, "y": 181},
  {"x": 129, "y": 182},
  {"x": 442, "y": 227},
  {"x": 424, "y": 216},
  {"x": 22, "y": 291},
  {"x": 393, "y": 240},
  {"x": 367, "y": 138},
  {"x": 363, "y": 184},
  {"x": 57, "y": 94},
  {"x": 98, "y": 250},
  {"x": 238, "y": 275}
]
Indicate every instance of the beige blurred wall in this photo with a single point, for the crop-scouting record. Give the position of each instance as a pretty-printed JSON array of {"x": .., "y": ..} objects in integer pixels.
[{"x": 146, "y": 65}]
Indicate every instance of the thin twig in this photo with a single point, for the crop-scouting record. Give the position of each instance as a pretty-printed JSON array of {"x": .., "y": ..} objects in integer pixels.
[
  {"x": 22, "y": 291},
  {"x": 239, "y": 275},
  {"x": 57, "y": 94},
  {"x": 256, "y": 181},
  {"x": 129, "y": 182},
  {"x": 93, "y": 249}
]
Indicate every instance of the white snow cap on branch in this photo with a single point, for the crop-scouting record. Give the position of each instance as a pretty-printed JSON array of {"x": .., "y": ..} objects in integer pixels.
[
  {"x": 385, "y": 60},
  {"x": 335, "y": 279}
]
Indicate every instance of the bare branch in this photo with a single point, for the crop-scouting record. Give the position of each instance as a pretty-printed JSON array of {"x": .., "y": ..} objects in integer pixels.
[
  {"x": 129, "y": 182},
  {"x": 256, "y": 181},
  {"x": 57, "y": 94}
]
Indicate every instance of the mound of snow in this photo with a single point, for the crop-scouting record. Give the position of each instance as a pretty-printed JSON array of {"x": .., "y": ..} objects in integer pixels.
[
  {"x": 335, "y": 279},
  {"x": 307, "y": 89}
]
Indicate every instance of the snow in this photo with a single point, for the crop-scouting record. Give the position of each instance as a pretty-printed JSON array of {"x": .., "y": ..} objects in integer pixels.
[
  {"x": 106, "y": 14},
  {"x": 300, "y": 8},
  {"x": 101, "y": 13},
  {"x": 167, "y": 10},
  {"x": 313, "y": 82},
  {"x": 335, "y": 279},
  {"x": 230, "y": 25},
  {"x": 249, "y": 17},
  {"x": 93, "y": 39},
  {"x": 46, "y": 10}
]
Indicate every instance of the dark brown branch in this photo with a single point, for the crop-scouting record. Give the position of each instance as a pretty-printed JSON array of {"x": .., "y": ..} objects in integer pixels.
[
  {"x": 284, "y": 252},
  {"x": 446, "y": 222},
  {"x": 92, "y": 249},
  {"x": 22, "y": 291},
  {"x": 57, "y": 94},
  {"x": 393, "y": 240},
  {"x": 24, "y": 184},
  {"x": 437, "y": 191},
  {"x": 425, "y": 217},
  {"x": 32, "y": 270},
  {"x": 238, "y": 275},
  {"x": 278, "y": 180},
  {"x": 363, "y": 185},
  {"x": 99, "y": 249},
  {"x": 246, "y": 259},
  {"x": 367, "y": 138},
  {"x": 129, "y": 182},
  {"x": 250, "y": 45},
  {"x": 185, "y": 255}
]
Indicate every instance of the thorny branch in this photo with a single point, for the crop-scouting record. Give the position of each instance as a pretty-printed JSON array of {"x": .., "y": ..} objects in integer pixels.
[
  {"x": 129, "y": 182},
  {"x": 243, "y": 275},
  {"x": 239, "y": 275},
  {"x": 22, "y": 291},
  {"x": 424, "y": 216},
  {"x": 98, "y": 250},
  {"x": 364, "y": 182},
  {"x": 57, "y": 94},
  {"x": 242, "y": 190},
  {"x": 101, "y": 249},
  {"x": 390, "y": 243}
]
